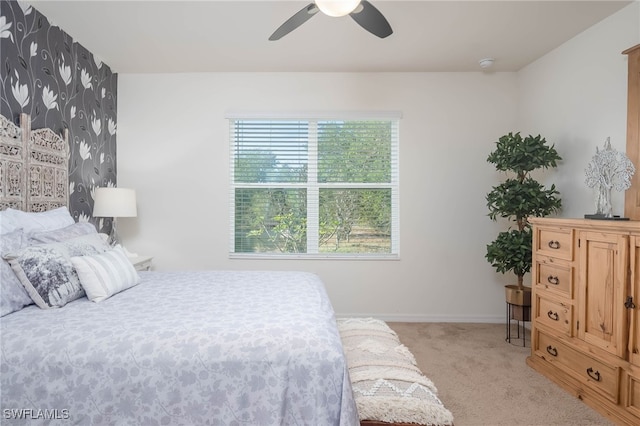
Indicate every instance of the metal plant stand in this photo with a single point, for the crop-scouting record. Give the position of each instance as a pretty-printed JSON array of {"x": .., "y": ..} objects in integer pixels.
[{"x": 520, "y": 314}]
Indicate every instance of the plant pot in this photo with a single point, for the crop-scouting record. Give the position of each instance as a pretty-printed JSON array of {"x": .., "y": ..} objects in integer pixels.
[
  {"x": 520, "y": 296},
  {"x": 520, "y": 300}
]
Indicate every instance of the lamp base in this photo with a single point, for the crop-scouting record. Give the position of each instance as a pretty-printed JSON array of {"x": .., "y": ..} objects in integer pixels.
[{"x": 114, "y": 238}]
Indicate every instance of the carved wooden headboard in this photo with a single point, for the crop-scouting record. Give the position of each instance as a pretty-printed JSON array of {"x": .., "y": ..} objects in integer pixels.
[{"x": 34, "y": 170}]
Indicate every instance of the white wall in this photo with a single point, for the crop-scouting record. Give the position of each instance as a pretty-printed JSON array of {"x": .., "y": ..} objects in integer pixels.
[
  {"x": 173, "y": 149},
  {"x": 576, "y": 96}
]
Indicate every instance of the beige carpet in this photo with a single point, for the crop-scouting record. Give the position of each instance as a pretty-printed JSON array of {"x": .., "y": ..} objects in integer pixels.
[{"x": 484, "y": 381}]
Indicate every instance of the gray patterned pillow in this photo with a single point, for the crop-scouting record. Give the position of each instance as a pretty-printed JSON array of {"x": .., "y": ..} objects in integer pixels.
[
  {"x": 46, "y": 271},
  {"x": 13, "y": 296}
]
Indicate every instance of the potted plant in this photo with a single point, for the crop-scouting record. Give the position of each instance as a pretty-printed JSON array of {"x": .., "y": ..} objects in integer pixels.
[{"x": 515, "y": 199}]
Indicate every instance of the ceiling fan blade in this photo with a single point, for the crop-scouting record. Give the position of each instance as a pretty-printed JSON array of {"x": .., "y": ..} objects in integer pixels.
[
  {"x": 370, "y": 18},
  {"x": 295, "y": 21}
]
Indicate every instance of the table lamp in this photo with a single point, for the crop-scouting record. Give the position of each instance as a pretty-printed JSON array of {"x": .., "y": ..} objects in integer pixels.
[{"x": 114, "y": 203}]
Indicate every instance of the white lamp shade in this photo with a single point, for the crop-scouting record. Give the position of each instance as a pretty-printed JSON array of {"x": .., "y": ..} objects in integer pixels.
[
  {"x": 115, "y": 202},
  {"x": 337, "y": 8}
]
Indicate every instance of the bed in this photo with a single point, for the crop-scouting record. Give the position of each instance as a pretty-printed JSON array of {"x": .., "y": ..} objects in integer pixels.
[
  {"x": 212, "y": 347},
  {"x": 172, "y": 348}
]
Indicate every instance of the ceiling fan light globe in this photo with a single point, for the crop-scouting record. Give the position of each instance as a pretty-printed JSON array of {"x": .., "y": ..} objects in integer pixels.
[{"x": 337, "y": 8}]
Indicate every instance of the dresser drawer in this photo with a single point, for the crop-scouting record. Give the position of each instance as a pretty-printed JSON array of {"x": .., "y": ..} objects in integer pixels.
[
  {"x": 554, "y": 276},
  {"x": 555, "y": 242},
  {"x": 596, "y": 374},
  {"x": 554, "y": 314},
  {"x": 632, "y": 394}
]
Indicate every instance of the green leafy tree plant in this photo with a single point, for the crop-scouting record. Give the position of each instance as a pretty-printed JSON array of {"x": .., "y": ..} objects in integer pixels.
[{"x": 519, "y": 197}]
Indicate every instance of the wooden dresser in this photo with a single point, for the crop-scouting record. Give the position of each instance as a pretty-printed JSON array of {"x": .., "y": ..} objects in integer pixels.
[{"x": 585, "y": 311}]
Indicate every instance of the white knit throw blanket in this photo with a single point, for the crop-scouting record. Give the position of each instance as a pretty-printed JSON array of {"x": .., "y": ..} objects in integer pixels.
[{"x": 387, "y": 384}]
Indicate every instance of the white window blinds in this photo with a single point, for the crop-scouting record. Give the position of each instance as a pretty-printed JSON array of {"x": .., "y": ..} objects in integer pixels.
[{"x": 314, "y": 186}]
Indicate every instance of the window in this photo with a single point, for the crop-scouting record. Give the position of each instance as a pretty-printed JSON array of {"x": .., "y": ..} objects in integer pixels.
[{"x": 317, "y": 187}]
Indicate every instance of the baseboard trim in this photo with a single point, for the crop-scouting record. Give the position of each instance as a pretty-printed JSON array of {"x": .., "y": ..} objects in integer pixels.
[{"x": 427, "y": 318}]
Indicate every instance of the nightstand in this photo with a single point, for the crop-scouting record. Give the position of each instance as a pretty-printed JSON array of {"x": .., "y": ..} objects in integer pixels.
[{"x": 141, "y": 263}]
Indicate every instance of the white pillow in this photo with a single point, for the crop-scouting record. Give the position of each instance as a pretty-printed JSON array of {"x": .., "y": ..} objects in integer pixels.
[
  {"x": 37, "y": 221},
  {"x": 103, "y": 275},
  {"x": 13, "y": 296},
  {"x": 7, "y": 223},
  {"x": 78, "y": 229}
]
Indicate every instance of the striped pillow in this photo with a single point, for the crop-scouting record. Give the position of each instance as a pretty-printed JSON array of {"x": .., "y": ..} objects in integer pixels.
[{"x": 103, "y": 275}]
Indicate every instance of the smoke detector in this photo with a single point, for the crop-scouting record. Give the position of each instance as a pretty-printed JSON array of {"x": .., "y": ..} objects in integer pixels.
[{"x": 486, "y": 62}]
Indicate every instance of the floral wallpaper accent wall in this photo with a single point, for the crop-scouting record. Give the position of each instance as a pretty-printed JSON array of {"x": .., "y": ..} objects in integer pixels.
[{"x": 61, "y": 84}]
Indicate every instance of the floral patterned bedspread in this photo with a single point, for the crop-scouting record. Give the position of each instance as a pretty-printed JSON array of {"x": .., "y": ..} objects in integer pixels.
[{"x": 181, "y": 348}]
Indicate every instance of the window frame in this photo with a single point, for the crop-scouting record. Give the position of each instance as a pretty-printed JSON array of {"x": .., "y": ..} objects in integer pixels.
[{"x": 313, "y": 187}]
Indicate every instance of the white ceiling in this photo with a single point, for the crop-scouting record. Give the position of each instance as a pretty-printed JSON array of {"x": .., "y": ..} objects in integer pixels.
[{"x": 152, "y": 36}]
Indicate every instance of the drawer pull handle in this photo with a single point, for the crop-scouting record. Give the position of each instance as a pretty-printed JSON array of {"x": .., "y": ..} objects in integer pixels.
[
  {"x": 554, "y": 244},
  {"x": 553, "y": 280},
  {"x": 595, "y": 375},
  {"x": 553, "y": 315},
  {"x": 552, "y": 351},
  {"x": 629, "y": 303}
]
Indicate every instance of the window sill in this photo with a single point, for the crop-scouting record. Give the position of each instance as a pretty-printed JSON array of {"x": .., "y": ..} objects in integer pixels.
[{"x": 319, "y": 256}]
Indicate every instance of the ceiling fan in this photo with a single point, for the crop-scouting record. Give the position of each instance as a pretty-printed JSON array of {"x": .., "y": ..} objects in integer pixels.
[{"x": 363, "y": 12}]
